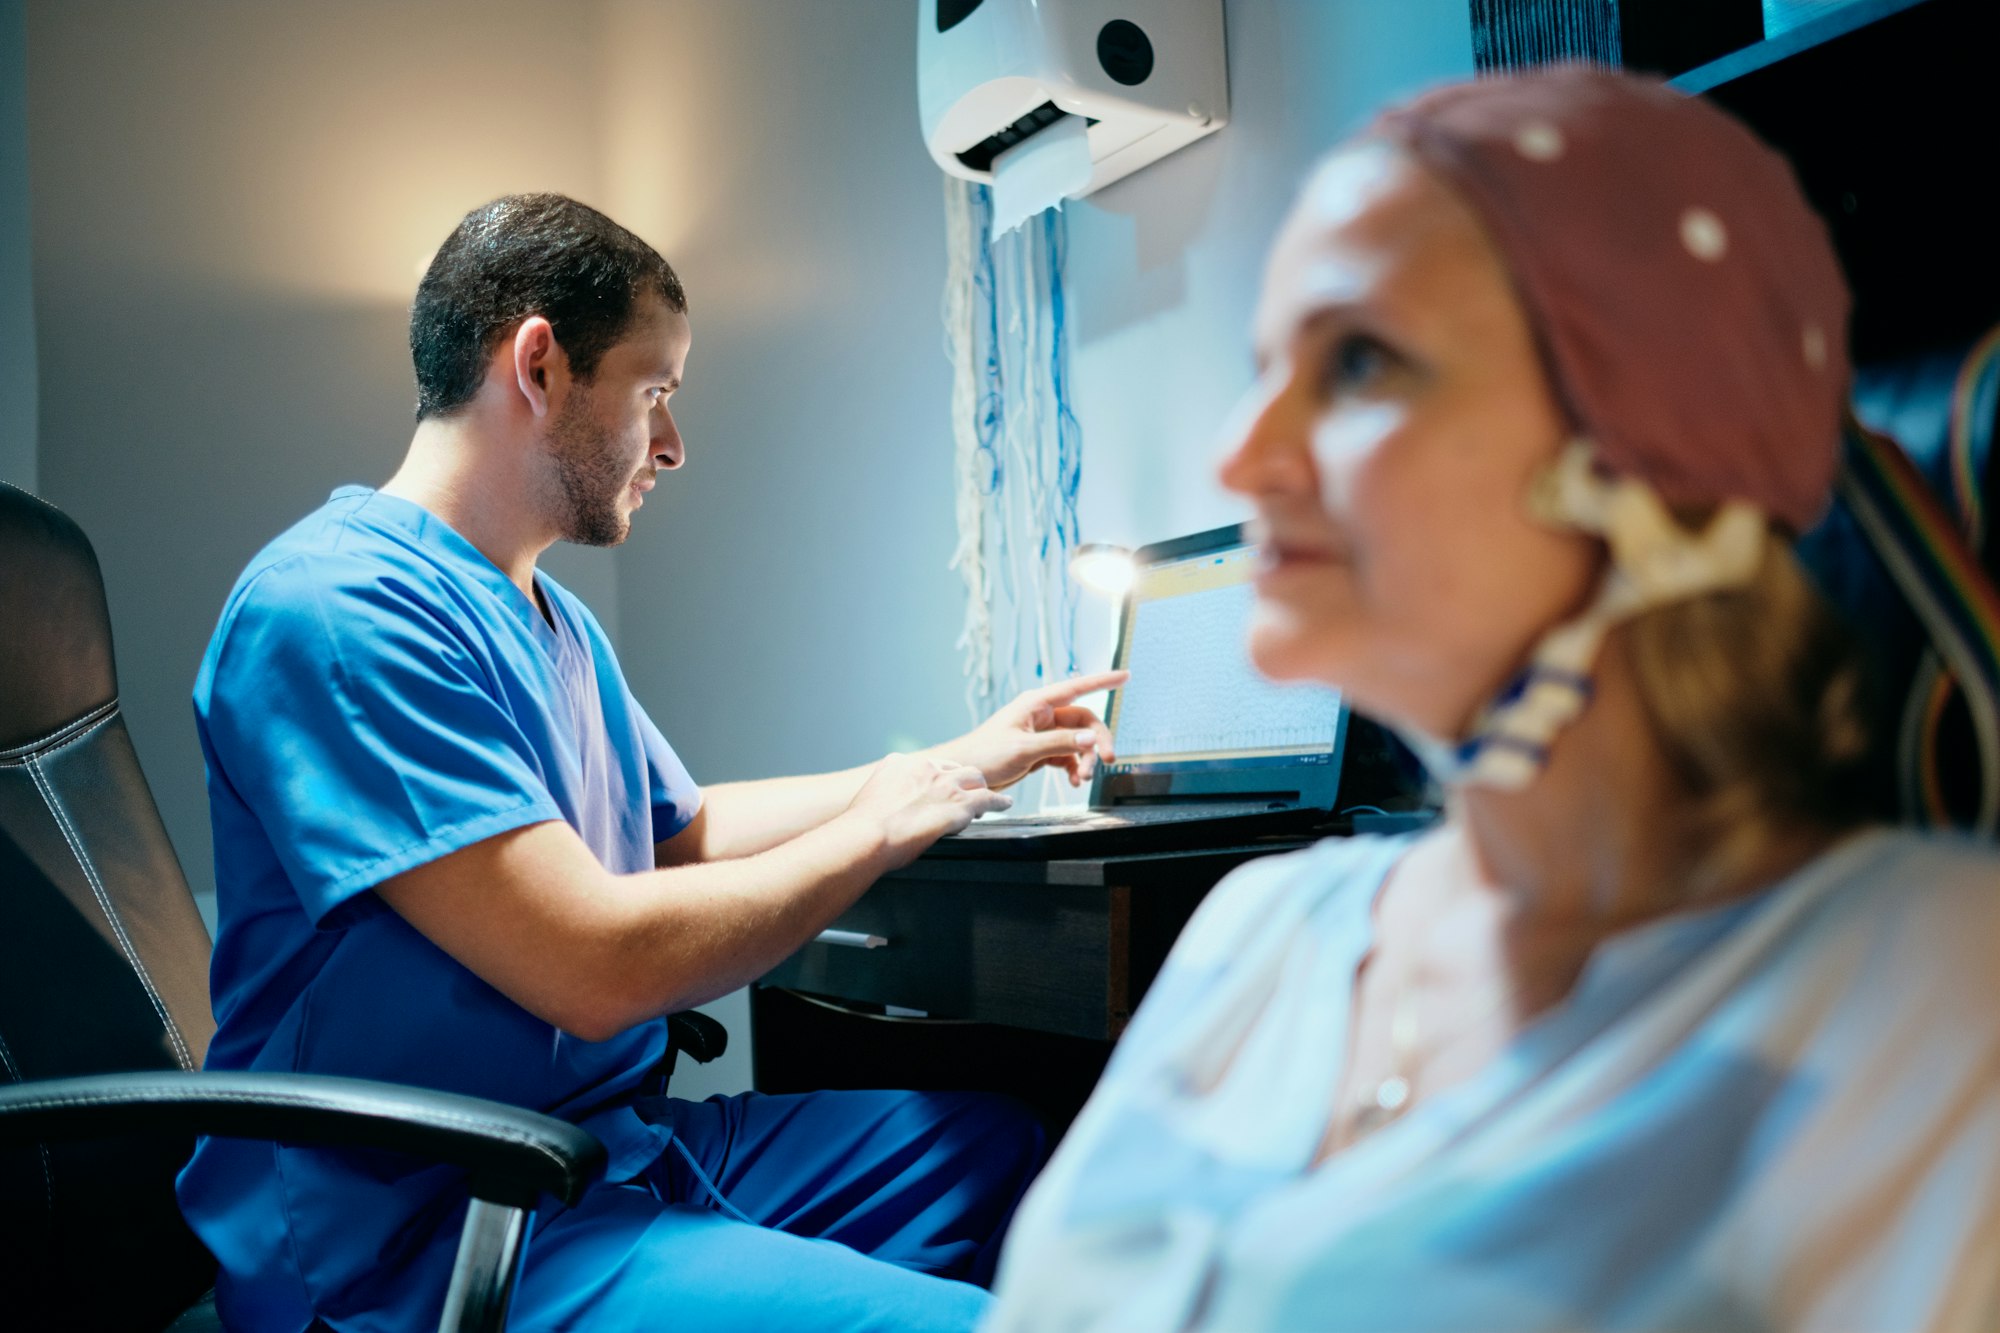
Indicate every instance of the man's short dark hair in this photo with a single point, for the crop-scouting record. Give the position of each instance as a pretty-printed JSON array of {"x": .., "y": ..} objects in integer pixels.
[{"x": 522, "y": 255}]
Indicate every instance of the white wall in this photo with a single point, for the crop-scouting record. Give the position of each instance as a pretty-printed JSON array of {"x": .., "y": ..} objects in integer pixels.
[
  {"x": 1165, "y": 265},
  {"x": 17, "y": 307}
]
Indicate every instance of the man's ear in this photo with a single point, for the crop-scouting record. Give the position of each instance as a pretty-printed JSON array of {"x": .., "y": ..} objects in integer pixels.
[{"x": 538, "y": 362}]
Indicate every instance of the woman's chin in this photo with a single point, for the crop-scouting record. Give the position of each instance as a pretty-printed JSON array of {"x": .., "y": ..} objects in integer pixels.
[{"x": 1281, "y": 651}]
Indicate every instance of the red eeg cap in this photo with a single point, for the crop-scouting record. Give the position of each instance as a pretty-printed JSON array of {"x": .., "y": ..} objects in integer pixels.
[{"x": 1691, "y": 312}]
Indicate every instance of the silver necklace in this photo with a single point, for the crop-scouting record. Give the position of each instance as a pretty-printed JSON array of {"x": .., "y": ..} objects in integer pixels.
[{"x": 1394, "y": 1094}]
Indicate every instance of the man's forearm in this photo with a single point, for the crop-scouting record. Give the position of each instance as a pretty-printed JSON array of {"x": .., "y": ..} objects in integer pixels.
[
  {"x": 537, "y": 916},
  {"x": 745, "y": 818},
  {"x": 695, "y": 933}
]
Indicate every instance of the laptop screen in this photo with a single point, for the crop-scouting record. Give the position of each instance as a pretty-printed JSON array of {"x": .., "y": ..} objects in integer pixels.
[{"x": 1195, "y": 704}]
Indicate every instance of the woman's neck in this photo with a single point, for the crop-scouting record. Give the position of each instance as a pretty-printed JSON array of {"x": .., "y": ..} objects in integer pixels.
[{"x": 1608, "y": 837}]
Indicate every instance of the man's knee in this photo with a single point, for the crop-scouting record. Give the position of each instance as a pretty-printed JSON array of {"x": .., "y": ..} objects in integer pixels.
[
  {"x": 1004, "y": 1133},
  {"x": 624, "y": 1260}
]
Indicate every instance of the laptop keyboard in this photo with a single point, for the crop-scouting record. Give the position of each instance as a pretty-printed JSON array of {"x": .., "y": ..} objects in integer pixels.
[{"x": 1122, "y": 817}]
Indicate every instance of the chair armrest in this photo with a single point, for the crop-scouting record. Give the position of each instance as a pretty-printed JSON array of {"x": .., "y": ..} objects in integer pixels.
[
  {"x": 512, "y": 1155},
  {"x": 696, "y": 1033}
]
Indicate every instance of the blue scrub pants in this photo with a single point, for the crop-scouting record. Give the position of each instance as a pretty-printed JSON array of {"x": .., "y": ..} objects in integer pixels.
[{"x": 869, "y": 1210}]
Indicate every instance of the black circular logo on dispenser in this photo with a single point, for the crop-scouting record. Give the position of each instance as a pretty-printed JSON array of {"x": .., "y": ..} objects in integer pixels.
[
  {"x": 951, "y": 13},
  {"x": 1125, "y": 51}
]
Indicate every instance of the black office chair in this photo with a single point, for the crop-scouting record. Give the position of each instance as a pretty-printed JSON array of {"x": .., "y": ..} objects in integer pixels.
[{"x": 104, "y": 1012}]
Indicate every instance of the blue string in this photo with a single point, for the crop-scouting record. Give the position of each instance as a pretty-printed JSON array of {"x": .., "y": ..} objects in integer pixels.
[
  {"x": 990, "y": 413},
  {"x": 1057, "y": 530},
  {"x": 1069, "y": 433},
  {"x": 1007, "y": 601},
  {"x": 992, "y": 396}
]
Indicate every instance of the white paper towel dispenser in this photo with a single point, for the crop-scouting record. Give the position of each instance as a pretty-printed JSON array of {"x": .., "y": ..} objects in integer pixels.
[{"x": 1142, "y": 77}]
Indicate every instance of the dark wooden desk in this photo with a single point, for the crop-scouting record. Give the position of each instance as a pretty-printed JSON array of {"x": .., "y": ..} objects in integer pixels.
[
  {"x": 1025, "y": 972},
  {"x": 1053, "y": 946}
]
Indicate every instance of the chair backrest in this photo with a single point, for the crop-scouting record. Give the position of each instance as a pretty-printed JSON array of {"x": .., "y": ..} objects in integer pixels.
[{"x": 103, "y": 956}]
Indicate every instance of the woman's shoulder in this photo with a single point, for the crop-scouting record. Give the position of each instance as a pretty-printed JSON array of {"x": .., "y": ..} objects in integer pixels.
[
  {"x": 1929, "y": 880},
  {"x": 1884, "y": 945},
  {"x": 1926, "y": 903},
  {"x": 1274, "y": 894}
]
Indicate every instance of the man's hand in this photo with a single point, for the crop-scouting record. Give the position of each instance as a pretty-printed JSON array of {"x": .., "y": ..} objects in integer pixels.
[
  {"x": 1042, "y": 728},
  {"x": 915, "y": 801}
]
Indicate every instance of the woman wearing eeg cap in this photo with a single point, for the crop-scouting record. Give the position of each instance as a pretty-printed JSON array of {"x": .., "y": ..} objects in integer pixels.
[{"x": 1650, "y": 1031}]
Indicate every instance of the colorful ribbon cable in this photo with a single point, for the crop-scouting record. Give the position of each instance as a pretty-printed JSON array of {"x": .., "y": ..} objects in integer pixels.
[
  {"x": 1938, "y": 573},
  {"x": 1972, "y": 402}
]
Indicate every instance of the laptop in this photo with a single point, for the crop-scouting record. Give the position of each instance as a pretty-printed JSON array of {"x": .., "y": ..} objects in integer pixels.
[{"x": 1209, "y": 752}]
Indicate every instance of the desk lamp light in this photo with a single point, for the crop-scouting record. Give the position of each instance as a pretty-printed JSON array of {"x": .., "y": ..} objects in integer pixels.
[{"x": 1104, "y": 568}]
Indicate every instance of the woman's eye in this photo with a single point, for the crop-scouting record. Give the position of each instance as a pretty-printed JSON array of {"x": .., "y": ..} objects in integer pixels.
[{"x": 1356, "y": 361}]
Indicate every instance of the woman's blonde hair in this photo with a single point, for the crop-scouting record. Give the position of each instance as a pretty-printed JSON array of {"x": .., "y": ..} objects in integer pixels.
[{"x": 1756, "y": 695}]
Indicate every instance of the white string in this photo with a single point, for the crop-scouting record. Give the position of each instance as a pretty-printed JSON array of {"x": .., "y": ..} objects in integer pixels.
[{"x": 975, "y": 640}]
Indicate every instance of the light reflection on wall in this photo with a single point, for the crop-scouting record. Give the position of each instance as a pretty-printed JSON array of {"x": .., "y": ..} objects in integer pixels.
[
  {"x": 657, "y": 113},
  {"x": 687, "y": 131},
  {"x": 312, "y": 149}
]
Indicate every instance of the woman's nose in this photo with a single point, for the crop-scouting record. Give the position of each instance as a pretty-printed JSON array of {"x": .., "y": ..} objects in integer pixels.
[{"x": 1268, "y": 445}]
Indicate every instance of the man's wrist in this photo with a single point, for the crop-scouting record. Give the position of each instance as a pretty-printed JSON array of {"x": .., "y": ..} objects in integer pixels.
[
  {"x": 861, "y": 840},
  {"x": 940, "y": 754}
]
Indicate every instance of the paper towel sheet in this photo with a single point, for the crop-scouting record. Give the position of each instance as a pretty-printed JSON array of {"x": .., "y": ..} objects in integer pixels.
[{"x": 1040, "y": 172}]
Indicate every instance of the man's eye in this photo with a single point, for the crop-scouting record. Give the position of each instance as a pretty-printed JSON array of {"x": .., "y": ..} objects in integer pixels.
[{"x": 1357, "y": 361}]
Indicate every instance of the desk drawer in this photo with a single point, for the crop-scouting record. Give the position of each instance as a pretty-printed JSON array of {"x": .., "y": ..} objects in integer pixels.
[{"x": 1046, "y": 956}]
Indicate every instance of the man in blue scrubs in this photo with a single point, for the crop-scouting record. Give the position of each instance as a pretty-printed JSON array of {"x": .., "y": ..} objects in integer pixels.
[{"x": 453, "y": 851}]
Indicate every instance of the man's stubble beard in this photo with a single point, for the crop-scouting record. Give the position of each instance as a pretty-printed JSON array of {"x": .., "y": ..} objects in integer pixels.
[{"x": 590, "y": 478}]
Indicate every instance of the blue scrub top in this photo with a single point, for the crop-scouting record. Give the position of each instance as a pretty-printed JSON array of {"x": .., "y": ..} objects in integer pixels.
[{"x": 378, "y": 694}]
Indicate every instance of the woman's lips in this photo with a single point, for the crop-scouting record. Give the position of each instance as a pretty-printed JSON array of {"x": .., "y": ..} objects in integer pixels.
[{"x": 1275, "y": 558}]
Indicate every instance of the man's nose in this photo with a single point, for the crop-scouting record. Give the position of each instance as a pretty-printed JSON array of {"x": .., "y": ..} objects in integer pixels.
[{"x": 669, "y": 450}]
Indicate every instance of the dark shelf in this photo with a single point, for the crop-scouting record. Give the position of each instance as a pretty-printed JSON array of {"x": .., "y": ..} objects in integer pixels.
[
  {"x": 1852, "y": 17},
  {"x": 1885, "y": 109}
]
